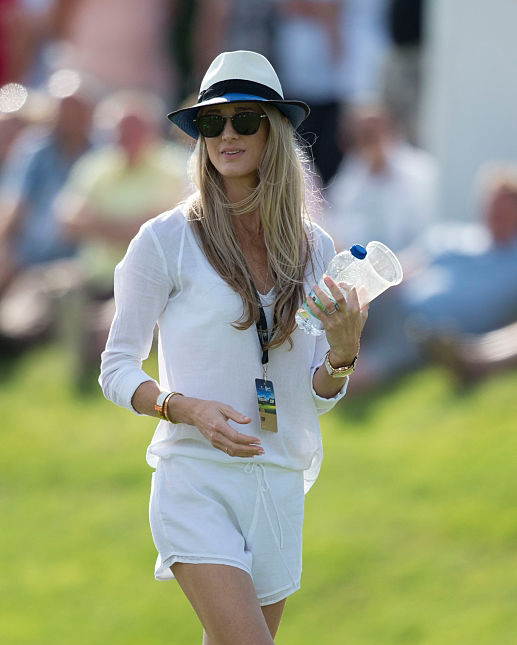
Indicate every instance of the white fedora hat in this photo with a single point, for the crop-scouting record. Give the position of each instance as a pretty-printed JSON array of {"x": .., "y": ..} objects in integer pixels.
[{"x": 239, "y": 76}]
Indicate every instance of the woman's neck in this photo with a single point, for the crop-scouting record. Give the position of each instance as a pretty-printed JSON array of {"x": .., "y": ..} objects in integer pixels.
[
  {"x": 247, "y": 225},
  {"x": 238, "y": 189},
  {"x": 250, "y": 237}
]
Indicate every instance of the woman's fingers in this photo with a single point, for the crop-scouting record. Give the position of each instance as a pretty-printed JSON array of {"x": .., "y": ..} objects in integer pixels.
[
  {"x": 213, "y": 424},
  {"x": 233, "y": 435},
  {"x": 236, "y": 444},
  {"x": 320, "y": 311},
  {"x": 348, "y": 295},
  {"x": 232, "y": 414},
  {"x": 238, "y": 448},
  {"x": 327, "y": 302},
  {"x": 342, "y": 293}
]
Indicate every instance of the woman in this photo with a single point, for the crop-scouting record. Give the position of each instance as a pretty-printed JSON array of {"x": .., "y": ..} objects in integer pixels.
[{"x": 240, "y": 386}]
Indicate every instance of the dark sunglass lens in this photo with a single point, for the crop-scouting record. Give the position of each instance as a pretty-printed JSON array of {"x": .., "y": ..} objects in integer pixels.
[
  {"x": 246, "y": 122},
  {"x": 210, "y": 125}
]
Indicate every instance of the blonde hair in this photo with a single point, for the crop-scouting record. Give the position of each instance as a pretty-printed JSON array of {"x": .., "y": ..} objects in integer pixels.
[{"x": 279, "y": 198}]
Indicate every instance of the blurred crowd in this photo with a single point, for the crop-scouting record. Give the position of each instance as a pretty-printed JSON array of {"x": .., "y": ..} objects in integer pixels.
[{"x": 86, "y": 157}]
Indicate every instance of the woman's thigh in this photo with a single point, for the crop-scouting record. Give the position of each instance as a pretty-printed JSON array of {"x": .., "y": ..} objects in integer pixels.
[{"x": 226, "y": 603}]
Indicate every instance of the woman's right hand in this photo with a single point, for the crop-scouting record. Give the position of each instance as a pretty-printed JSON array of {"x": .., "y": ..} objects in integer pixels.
[{"x": 211, "y": 419}]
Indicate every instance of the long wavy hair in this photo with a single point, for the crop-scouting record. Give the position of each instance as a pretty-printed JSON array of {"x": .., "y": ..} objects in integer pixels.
[{"x": 280, "y": 200}]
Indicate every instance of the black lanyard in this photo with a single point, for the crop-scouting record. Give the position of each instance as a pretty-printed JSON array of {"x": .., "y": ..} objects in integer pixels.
[{"x": 263, "y": 333}]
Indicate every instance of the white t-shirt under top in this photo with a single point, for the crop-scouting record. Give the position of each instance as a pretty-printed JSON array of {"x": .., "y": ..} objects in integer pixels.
[{"x": 166, "y": 279}]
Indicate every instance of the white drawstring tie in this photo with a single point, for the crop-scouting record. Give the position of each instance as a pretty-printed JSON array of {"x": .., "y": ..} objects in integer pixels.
[{"x": 267, "y": 499}]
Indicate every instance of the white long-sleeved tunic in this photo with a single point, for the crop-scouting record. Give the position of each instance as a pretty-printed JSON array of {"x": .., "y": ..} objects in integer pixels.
[{"x": 165, "y": 279}]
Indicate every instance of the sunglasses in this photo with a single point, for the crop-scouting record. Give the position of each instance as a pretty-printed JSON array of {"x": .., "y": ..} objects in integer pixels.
[{"x": 211, "y": 125}]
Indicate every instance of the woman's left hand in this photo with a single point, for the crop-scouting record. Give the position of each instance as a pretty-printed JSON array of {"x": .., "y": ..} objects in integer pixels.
[{"x": 343, "y": 321}]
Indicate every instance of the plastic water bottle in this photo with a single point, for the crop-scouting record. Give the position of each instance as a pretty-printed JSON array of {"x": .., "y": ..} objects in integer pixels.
[{"x": 370, "y": 270}]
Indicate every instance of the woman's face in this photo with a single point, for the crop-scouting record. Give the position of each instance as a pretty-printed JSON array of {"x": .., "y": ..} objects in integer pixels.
[{"x": 235, "y": 156}]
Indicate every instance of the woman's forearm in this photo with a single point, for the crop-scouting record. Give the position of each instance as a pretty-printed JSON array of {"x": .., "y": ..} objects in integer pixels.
[
  {"x": 179, "y": 408},
  {"x": 324, "y": 385}
]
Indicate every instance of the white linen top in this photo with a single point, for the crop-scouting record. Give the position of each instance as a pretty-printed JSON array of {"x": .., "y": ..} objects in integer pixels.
[{"x": 165, "y": 279}]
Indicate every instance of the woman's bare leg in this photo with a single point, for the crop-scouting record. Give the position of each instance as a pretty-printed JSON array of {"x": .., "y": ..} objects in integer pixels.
[
  {"x": 225, "y": 601},
  {"x": 272, "y": 614}
]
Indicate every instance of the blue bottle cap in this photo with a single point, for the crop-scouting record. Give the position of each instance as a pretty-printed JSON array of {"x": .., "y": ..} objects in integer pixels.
[{"x": 358, "y": 251}]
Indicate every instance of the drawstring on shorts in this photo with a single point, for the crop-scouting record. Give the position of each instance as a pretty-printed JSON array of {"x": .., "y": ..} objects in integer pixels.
[
  {"x": 267, "y": 501},
  {"x": 263, "y": 488}
]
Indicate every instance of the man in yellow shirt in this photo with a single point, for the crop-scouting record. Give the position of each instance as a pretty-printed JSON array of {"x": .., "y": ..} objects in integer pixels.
[
  {"x": 110, "y": 193},
  {"x": 114, "y": 189}
]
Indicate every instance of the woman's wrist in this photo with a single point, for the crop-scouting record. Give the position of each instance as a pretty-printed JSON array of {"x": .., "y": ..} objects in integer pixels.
[
  {"x": 324, "y": 385},
  {"x": 342, "y": 359},
  {"x": 179, "y": 408}
]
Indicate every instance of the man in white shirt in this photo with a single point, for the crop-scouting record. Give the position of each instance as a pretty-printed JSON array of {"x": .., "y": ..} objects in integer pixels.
[{"x": 384, "y": 189}]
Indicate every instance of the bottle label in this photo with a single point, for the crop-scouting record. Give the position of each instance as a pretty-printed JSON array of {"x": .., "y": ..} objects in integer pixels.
[
  {"x": 308, "y": 321},
  {"x": 304, "y": 311},
  {"x": 316, "y": 301}
]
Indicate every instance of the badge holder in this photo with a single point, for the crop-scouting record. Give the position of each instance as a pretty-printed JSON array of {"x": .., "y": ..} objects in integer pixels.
[{"x": 266, "y": 404}]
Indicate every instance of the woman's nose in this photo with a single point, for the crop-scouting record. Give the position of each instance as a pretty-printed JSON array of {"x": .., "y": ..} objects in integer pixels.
[{"x": 229, "y": 130}]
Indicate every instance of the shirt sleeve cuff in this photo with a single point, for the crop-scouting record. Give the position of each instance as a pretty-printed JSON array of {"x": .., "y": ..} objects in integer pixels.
[{"x": 128, "y": 388}]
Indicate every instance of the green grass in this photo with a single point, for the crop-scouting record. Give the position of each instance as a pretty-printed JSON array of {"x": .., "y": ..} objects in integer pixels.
[{"x": 410, "y": 534}]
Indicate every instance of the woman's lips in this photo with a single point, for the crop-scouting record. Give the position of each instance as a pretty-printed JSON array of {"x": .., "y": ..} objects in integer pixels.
[{"x": 231, "y": 153}]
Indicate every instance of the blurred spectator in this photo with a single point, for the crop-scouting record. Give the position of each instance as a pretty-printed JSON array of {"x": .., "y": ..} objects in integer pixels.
[
  {"x": 110, "y": 193},
  {"x": 114, "y": 189},
  {"x": 366, "y": 41},
  {"x": 328, "y": 52},
  {"x": 180, "y": 29},
  {"x": 13, "y": 97},
  {"x": 401, "y": 78},
  {"x": 26, "y": 27},
  {"x": 384, "y": 189},
  {"x": 29, "y": 231},
  {"x": 230, "y": 25},
  {"x": 13, "y": 41},
  {"x": 472, "y": 357},
  {"x": 120, "y": 42},
  {"x": 31, "y": 243},
  {"x": 459, "y": 280},
  {"x": 308, "y": 48},
  {"x": 25, "y": 116}
]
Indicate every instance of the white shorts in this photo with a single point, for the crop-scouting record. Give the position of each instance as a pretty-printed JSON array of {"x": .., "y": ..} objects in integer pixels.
[{"x": 243, "y": 514}]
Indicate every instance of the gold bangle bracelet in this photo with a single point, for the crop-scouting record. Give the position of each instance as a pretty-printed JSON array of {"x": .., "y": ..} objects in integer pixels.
[{"x": 165, "y": 410}]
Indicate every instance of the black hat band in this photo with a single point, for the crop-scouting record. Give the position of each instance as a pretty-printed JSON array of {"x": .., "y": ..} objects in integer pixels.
[{"x": 239, "y": 86}]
